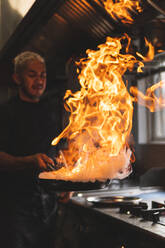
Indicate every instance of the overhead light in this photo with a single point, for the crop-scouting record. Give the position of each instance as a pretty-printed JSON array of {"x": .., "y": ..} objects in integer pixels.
[{"x": 21, "y": 6}]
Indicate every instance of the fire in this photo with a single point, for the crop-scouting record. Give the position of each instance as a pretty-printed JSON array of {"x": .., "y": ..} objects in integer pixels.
[
  {"x": 150, "y": 54},
  {"x": 120, "y": 9},
  {"x": 101, "y": 115},
  {"x": 100, "y": 120},
  {"x": 101, "y": 111},
  {"x": 150, "y": 99}
]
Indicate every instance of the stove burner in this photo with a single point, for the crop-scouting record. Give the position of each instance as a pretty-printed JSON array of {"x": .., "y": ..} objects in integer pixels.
[
  {"x": 114, "y": 200},
  {"x": 133, "y": 206},
  {"x": 139, "y": 210}
]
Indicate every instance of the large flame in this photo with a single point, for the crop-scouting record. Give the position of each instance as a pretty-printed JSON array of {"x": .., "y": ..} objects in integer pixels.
[
  {"x": 121, "y": 9},
  {"x": 101, "y": 111},
  {"x": 100, "y": 117}
]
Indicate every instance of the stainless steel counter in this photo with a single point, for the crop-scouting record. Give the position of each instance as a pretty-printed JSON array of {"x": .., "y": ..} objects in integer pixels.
[{"x": 126, "y": 222}]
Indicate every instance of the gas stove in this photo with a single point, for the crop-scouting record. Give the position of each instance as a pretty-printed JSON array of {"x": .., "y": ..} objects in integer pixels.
[
  {"x": 148, "y": 205},
  {"x": 140, "y": 208}
]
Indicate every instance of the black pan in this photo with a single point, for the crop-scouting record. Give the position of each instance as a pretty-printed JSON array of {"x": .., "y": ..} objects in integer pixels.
[{"x": 60, "y": 185}]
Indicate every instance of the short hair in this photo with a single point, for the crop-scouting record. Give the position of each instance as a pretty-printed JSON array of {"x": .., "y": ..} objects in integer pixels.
[{"x": 20, "y": 61}]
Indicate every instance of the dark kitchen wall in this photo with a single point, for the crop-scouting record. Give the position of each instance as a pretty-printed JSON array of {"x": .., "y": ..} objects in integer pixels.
[
  {"x": 11, "y": 14},
  {"x": 9, "y": 20},
  {"x": 150, "y": 155}
]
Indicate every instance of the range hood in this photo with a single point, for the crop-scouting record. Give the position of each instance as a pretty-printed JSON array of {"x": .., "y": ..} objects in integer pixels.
[{"x": 59, "y": 29}]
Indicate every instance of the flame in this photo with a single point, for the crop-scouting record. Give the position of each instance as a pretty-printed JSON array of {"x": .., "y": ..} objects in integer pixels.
[
  {"x": 101, "y": 112},
  {"x": 100, "y": 117},
  {"x": 150, "y": 54},
  {"x": 120, "y": 9},
  {"x": 149, "y": 100}
]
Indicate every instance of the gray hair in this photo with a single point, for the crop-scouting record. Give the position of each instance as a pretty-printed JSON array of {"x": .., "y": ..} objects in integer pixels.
[{"x": 20, "y": 61}]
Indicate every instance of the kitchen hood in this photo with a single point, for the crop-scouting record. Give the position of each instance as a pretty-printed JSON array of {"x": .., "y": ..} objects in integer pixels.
[{"x": 60, "y": 29}]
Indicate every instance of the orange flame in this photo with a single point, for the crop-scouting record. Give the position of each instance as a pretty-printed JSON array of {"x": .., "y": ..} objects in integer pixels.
[
  {"x": 149, "y": 100},
  {"x": 101, "y": 112},
  {"x": 100, "y": 117},
  {"x": 120, "y": 9},
  {"x": 150, "y": 54}
]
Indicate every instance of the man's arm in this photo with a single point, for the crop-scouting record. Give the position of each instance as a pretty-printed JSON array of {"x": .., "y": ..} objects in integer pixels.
[{"x": 9, "y": 162}]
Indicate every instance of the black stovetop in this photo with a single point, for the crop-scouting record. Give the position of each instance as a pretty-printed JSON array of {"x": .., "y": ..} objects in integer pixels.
[{"x": 147, "y": 214}]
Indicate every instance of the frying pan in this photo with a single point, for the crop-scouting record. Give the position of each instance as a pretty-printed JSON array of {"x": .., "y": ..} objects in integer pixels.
[{"x": 61, "y": 185}]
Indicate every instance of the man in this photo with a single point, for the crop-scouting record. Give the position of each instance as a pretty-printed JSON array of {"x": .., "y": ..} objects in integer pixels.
[{"x": 28, "y": 124}]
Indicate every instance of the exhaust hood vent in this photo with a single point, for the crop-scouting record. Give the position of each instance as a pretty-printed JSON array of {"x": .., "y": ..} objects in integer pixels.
[{"x": 64, "y": 28}]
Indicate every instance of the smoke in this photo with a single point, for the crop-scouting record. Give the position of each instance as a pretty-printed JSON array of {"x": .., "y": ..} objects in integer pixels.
[{"x": 107, "y": 168}]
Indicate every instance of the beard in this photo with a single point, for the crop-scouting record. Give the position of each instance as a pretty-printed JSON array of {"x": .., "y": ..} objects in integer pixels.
[{"x": 31, "y": 94}]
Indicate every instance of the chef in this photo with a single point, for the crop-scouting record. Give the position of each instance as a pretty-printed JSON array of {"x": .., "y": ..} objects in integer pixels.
[{"x": 28, "y": 124}]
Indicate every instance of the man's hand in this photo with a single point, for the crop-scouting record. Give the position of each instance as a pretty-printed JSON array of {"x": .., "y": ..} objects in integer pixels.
[
  {"x": 41, "y": 160},
  {"x": 9, "y": 162}
]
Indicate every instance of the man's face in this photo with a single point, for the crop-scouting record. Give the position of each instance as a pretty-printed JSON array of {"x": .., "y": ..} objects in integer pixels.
[{"x": 32, "y": 81}]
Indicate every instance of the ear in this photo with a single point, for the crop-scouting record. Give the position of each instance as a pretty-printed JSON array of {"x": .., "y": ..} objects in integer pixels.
[{"x": 16, "y": 78}]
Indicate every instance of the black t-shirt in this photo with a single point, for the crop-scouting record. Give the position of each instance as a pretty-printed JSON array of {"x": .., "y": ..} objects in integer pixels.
[{"x": 25, "y": 129}]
